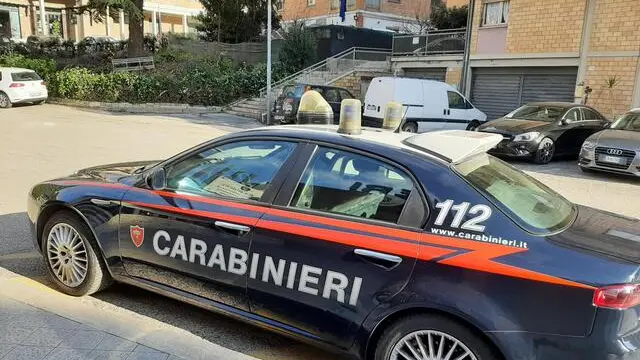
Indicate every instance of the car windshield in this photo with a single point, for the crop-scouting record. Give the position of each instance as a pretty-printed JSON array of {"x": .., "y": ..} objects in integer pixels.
[
  {"x": 629, "y": 122},
  {"x": 537, "y": 112},
  {"x": 527, "y": 201},
  {"x": 25, "y": 76},
  {"x": 289, "y": 91}
]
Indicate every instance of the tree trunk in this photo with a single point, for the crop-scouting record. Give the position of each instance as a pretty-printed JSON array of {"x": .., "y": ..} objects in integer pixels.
[{"x": 136, "y": 32}]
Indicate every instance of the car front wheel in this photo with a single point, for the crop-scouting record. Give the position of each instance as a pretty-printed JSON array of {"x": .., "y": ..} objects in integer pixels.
[
  {"x": 545, "y": 152},
  {"x": 431, "y": 337},
  {"x": 69, "y": 251},
  {"x": 410, "y": 127}
]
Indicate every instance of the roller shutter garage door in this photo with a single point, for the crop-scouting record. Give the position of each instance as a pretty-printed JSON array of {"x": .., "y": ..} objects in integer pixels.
[
  {"x": 498, "y": 91},
  {"x": 438, "y": 74}
]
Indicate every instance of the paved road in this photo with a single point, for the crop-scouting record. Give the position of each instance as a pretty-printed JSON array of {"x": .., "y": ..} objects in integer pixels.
[{"x": 42, "y": 142}]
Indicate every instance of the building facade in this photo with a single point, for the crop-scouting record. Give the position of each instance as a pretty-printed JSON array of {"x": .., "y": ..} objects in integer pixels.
[
  {"x": 524, "y": 51},
  {"x": 386, "y": 15},
  {"x": 22, "y": 18}
]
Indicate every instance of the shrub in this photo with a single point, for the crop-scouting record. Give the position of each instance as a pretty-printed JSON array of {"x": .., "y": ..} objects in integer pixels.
[
  {"x": 298, "y": 48},
  {"x": 46, "y": 68}
]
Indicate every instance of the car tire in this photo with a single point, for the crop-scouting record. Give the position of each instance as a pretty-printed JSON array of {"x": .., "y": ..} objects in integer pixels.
[
  {"x": 70, "y": 256},
  {"x": 546, "y": 151},
  {"x": 410, "y": 127},
  {"x": 5, "y": 102},
  {"x": 440, "y": 328},
  {"x": 473, "y": 125}
]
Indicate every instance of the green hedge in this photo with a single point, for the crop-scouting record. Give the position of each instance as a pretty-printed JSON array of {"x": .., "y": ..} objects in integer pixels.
[{"x": 196, "y": 83}]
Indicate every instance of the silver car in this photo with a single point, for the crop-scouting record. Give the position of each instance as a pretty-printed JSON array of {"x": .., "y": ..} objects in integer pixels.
[{"x": 616, "y": 149}]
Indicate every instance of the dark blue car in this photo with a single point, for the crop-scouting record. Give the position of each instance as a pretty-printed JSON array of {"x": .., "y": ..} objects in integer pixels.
[{"x": 385, "y": 246}]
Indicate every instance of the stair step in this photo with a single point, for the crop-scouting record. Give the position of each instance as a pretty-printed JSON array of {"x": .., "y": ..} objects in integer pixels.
[
  {"x": 249, "y": 106},
  {"x": 245, "y": 113}
]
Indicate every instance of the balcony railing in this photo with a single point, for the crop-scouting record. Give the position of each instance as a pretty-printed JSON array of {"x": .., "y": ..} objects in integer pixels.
[{"x": 438, "y": 42}]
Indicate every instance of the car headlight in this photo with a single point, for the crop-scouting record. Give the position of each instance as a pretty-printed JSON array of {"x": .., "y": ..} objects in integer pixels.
[
  {"x": 588, "y": 144},
  {"x": 527, "y": 136}
]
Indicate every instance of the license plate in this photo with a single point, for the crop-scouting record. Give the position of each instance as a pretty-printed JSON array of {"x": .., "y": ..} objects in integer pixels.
[
  {"x": 35, "y": 94},
  {"x": 613, "y": 159},
  {"x": 279, "y": 117}
]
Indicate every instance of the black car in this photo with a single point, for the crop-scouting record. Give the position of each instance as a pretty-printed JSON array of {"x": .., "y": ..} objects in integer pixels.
[
  {"x": 286, "y": 105},
  {"x": 384, "y": 246},
  {"x": 540, "y": 131}
]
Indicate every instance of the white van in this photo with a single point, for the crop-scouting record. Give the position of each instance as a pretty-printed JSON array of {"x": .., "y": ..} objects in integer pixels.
[{"x": 428, "y": 105}]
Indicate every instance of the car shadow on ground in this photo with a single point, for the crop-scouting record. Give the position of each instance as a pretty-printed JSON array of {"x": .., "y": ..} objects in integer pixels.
[{"x": 18, "y": 255}]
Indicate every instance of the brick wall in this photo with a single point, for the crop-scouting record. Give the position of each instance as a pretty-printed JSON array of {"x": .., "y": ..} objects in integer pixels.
[
  {"x": 453, "y": 76},
  {"x": 598, "y": 71},
  {"x": 543, "y": 26},
  {"x": 354, "y": 82},
  {"x": 458, "y": 3},
  {"x": 615, "y": 26},
  {"x": 298, "y": 9}
]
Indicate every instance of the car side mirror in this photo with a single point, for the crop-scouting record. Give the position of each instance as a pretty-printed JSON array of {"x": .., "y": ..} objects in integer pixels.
[
  {"x": 156, "y": 179},
  {"x": 564, "y": 121}
]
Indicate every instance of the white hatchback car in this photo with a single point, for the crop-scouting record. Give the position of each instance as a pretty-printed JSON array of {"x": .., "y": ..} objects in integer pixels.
[{"x": 21, "y": 86}]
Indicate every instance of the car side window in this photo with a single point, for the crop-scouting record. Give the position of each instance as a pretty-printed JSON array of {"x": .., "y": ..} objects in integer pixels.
[
  {"x": 332, "y": 95},
  {"x": 240, "y": 170},
  {"x": 344, "y": 94},
  {"x": 456, "y": 101},
  {"x": 573, "y": 115},
  {"x": 342, "y": 182},
  {"x": 590, "y": 114}
]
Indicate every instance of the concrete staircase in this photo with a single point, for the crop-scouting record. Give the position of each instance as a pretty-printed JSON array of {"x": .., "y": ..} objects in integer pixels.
[{"x": 325, "y": 72}]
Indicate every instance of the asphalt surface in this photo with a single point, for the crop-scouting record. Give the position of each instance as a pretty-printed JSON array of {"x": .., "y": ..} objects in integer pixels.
[{"x": 43, "y": 142}]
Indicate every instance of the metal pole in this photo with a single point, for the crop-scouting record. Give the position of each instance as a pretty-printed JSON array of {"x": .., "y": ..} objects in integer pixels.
[
  {"x": 268, "y": 62},
  {"x": 467, "y": 49}
]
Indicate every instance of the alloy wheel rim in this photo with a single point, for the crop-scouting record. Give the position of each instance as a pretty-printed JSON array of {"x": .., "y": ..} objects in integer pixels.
[
  {"x": 67, "y": 255},
  {"x": 547, "y": 152},
  {"x": 408, "y": 129},
  {"x": 430, "y": 345},
  {"x": 4, "y": 100}
]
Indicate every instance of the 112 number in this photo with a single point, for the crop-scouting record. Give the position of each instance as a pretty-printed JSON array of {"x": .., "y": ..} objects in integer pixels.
[{"x": 482, "y": 212}]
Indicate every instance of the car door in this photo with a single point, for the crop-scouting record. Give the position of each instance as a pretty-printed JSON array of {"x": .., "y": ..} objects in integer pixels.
[
  {"x": 457, "y": 113},
  {"x": 336, "y": 245},
  {"x": 194, "y": 234},
  {"x": 570, "y": 132},
  {"x": 592, "y": 123}
]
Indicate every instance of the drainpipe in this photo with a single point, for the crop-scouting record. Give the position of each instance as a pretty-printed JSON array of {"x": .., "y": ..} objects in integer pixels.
[
  {"x": 590, "y": 6},
  {"x": 464, "y": 84},
  {"x": 43, "y": 21}
]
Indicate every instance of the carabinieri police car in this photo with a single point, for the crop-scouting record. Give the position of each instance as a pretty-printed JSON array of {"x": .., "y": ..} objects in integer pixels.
[{"x": 383, "y": 245}]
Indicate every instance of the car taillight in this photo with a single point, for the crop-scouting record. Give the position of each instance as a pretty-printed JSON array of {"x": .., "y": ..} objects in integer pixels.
[
  {"x": 16, "y": 85},
  {"x": 617, "y": 296},
  {"x": 44, "y": 83}
]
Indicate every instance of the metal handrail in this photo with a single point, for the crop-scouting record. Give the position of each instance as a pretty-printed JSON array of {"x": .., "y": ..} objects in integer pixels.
[
  {"x": 319, "y": 64},
  {"x": 432, "y": 32}
]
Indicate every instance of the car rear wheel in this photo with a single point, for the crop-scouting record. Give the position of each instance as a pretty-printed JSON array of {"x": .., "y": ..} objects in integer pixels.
[
  {"x": 545, "y": 152},
  {"x": 5, "y": 102},
  {"x": 433, "y": 337},
  {"x": 473, "y": 125},
  {"x": 410, "y": 127},
  {"x": 70, "y": 256}
]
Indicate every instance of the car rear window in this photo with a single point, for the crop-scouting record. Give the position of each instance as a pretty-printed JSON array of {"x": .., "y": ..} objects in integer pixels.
[
  {"x": 527, "y": 201},
  {"x": 25, "y": 76}
]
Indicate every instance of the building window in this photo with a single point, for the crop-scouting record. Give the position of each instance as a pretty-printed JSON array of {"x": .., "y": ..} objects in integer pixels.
[
  {"x": 311, "y": 2},
  {"x": 496, "y": 13},
  {"x": 280, "y": 5},
  {"x": 372, "y": 4},
  {"x": 9, "y": 22}
]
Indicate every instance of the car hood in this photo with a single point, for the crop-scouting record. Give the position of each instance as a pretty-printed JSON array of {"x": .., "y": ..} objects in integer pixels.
[
  {"x": 604, "y": 233},
  {"x": 512, "y": 126},
  {"x": 622, "y": 139},
  {"x": 113, "y": 172}
]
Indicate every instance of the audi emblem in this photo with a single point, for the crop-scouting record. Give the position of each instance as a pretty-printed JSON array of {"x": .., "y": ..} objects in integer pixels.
[{"x": 614, "y": 152}]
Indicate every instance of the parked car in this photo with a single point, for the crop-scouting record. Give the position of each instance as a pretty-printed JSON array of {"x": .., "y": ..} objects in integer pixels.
[
  {"x": 543, "y": 130},
  {"x": 616, "y": 149},
  {"x": 286, "y": 105},
  {"x": 428, "y": 105},
  {"x": 21, "y": 86}
]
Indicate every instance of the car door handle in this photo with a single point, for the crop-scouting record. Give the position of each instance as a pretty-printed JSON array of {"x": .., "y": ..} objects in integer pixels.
[
  {"x": 241, "y": 229},
  {"x": 101, "y": 202},
  {"x": 385, "y": 260}
]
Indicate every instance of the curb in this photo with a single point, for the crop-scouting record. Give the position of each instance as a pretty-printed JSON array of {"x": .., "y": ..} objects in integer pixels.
[{"x": 148, "y": 108}]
